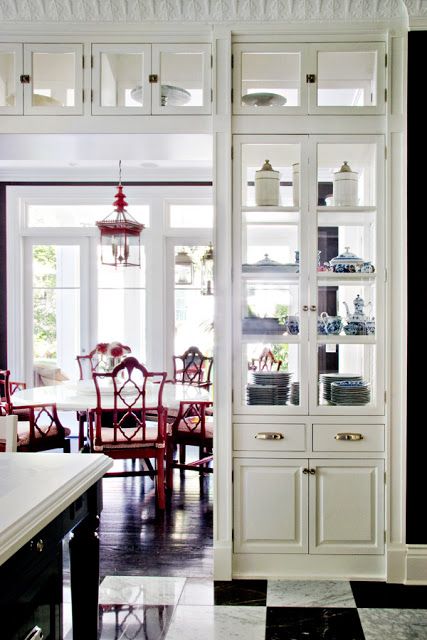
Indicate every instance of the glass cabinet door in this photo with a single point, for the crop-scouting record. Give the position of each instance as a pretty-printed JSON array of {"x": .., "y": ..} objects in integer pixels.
[
  {"x": 269, "y": 79},
  {"x": 347, "y": 276},
  {"x": 271, "y": 265},
  {"x": 11, "y": 101},
  {"x": 55, "y": 79},
  {"x": 348, "y": 78},
  {"x": 120, "y": 79},
  {"x": 183, "y": 83}
]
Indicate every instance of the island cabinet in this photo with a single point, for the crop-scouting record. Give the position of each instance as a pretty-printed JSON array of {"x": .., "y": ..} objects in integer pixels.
[
  {"x": 44, "y": 497},
  {"x": 309, "y": 291}
]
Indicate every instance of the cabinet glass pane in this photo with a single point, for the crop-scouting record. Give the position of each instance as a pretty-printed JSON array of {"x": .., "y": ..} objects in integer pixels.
[
  {"x": 271, "y": 374},
  {"x": 346, "y": 185},
  {"x": 270, "y": 307},
  {"x": 346, "y": 309},
  {"x": 283, "y": 158},
  {"x": 270, "y": 79},
  {"x": 346, "y": 374},
  {"x": 347, "y": 78},
  {"x": 122, "y": 79},
  {"x": 53, "y": 80},
  {"x": 346, "y": 248},
  {"x": 181, "y": 79},
  {"x": 7, "y": 79}
]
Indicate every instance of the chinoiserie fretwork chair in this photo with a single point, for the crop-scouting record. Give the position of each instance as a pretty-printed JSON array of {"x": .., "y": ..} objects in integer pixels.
[
  {"x": 130, "y": 420},
  {"x": 267, "y": 361},
  {"x": 192, "y": 427},
  {"x": 7, "y": 389},
  {"x": 96, "y": 361},
  {"x": 192, "y": 367},
  {"x": 42, "y": 431},
  {"x": 8, "y": 432}
]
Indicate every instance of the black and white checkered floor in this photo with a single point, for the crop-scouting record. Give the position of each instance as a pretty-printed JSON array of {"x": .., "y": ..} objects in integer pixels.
[{"x": 157, "y": 608}]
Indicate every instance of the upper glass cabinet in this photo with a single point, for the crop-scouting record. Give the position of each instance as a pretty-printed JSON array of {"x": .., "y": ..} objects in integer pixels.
[
  {"x": 337, "y": 78},
  {"x": 41, "y": 79},
  {"x": 151, "y": 79}
]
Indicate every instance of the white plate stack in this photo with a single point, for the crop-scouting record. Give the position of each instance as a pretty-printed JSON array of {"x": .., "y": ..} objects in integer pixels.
[
  {"x": 295, "y": 393},
  {"x": 350, "y": 393},
  {"x": 328, "y": 378},
  {"x": 279, "y": 379}
]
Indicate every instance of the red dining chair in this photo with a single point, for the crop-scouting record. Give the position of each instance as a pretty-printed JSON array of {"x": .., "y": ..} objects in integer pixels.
[
  {"x": 192, "y": 427},
  {"x": 267, "y": 361},
  {"x": 123, "y": 429},
  {"x": 8, "y": 432},
  {"x": 42, "y": 430},
  {"x": 99, "y": 359},
  {"x": 7, "y": 389},
  {"x": 192, "y": 367}
]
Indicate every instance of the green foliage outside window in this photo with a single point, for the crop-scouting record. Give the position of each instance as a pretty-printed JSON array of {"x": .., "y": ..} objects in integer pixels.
[{"x": 44, "y": 302}]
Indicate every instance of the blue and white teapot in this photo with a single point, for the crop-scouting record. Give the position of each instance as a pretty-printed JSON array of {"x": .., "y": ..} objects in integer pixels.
[{"x": 357, "y": 322}]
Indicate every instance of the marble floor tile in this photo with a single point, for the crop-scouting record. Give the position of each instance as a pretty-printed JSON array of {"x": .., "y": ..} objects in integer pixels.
[
  {"x": 296, "y": 623},
  {"x": 302, "y": 593},
  {"x": 121, "y": 621},
  {"x": 217, "y": 623},
  {"x": 381, "y": 595},
  {"x": 241, "y": 592},
  {"x": 395, "y": 624},
  {"x": 197, "y": 591},
  {"x": 140, "y": 590}
]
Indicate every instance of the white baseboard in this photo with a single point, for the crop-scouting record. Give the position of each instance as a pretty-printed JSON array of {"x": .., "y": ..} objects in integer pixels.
[
  {"x": 223, "y": 554},
  {"x": 416, "y": 564},
  {"x": 396, "y": 563}
]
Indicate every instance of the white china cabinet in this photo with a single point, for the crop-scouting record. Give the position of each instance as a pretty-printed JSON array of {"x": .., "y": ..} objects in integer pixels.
[
  {"x": 309, "y": 288},
  {"x": 41, "y": 79}
]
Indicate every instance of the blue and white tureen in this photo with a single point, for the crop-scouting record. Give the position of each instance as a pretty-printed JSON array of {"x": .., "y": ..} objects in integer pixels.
[{"x": 346, "y": 262}]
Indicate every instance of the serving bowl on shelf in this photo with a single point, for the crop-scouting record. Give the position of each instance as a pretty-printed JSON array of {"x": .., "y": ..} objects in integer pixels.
[
  {"x": 263, "y": 99},
  {"x": 170, "y": 95}
]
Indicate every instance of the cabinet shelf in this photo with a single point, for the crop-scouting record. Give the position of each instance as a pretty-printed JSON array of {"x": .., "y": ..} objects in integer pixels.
[
  {"x": 343, "y": 339},
  {"x": 266, "y": 209},
  {"x": 283, "y": 276},
  {"x": 282, "y": 338},
  {"x": 355, "y": 209},
  {"x": 330, "y": 278}
]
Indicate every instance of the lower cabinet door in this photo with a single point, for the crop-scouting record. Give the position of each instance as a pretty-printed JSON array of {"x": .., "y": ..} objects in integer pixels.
[
  {"x": 346, "y": 511},
  {"x": 270, "y": 506}
]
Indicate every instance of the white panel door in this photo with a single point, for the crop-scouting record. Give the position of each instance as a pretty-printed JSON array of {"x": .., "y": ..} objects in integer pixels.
[
  {"x": 11, "y": 93},
  {"x": 270, "y": 503},
  {"x": 346, "y": 506}
]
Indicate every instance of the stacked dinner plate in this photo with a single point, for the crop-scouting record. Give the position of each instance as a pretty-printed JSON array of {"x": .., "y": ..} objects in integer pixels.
[
  {"x": 295, "y": 393},
  {"x": 350, "y": 392},
  {"x": 261, "y": 394},
  {"x": 279, "y": 379},
  {"x": 328, "y": 378}
]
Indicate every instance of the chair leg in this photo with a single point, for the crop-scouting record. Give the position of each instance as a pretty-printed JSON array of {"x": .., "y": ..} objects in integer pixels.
[
  {"x": 160, "y": 488},
  {"x": 169, "y": 464},
  {"x": 67, "y": 445}
]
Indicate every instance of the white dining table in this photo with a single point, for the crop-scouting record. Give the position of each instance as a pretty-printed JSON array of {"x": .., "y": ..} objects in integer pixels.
[{"x": 81, "y": 396}]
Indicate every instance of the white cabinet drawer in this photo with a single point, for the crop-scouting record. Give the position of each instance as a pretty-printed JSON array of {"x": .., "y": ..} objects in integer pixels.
[
  {"x": 269, "y": 437},
  {"x": 348, "y": 437}
]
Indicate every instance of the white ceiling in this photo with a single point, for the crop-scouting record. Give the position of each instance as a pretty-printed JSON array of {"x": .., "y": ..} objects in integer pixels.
[{"x": 206, "y": 11}]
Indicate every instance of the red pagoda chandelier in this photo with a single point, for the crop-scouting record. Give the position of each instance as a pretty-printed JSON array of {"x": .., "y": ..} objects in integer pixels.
[{"x": 120, "y": 233}]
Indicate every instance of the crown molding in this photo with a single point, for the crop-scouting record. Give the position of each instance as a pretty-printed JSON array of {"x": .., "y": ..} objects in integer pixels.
[{"x": 206, "y": 11}]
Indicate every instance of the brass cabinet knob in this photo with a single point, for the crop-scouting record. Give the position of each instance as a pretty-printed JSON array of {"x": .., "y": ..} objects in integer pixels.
[
  {"x": 305, "y": 471},
  {"x": 313, "y": 307},
  {"x": 312, "y": 472},
  {"x": 305, "y": 307}
]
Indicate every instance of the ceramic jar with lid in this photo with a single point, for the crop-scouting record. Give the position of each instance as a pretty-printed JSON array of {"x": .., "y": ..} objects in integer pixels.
[
  {"x": 346, "y": 262},
  {"x": 345, "y": 187},
  {"x": 267, "y": 183}
]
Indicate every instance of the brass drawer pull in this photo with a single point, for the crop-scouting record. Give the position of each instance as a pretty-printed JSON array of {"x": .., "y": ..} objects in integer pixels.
[
  {"x": 269, "y": 435},
  {"x": 349, "y": 436}
]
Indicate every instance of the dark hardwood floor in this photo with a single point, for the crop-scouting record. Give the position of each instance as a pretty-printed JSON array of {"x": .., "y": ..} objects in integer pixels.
[{"x": 137, "y": 539}]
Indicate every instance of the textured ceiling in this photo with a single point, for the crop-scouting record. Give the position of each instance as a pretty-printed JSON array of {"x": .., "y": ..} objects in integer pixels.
[{"x": 207, "y": 11}]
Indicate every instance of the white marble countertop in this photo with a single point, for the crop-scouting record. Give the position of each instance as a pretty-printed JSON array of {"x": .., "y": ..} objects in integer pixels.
[
  {"x": 80, "y": 395},
  {"x": 37, "y": 487}
]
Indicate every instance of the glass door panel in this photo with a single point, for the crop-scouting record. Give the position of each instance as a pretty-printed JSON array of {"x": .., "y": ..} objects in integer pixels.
[
  {"x": 183, "y": 79},
  {"x": 10, "y": 69},
  {"x": 120, "y": 79},
  {"x": 350, "y": 78},
  {"x": 267, "y": 79},
  {"x": 121, "y": 301},
  {"x": 55, "y": 79},
  {"x": 56, "y": 307}
]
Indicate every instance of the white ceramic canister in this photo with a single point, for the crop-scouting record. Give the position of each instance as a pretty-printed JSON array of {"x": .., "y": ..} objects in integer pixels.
[
  {"x": 267, "y": 183},
  {"x": 345, "y": 187},
  {"x": 295, "y": 183}
]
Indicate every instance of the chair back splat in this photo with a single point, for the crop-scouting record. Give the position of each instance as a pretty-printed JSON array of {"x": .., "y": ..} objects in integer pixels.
[
  {"x": 192, "y": 367},
  {"x": 130, "y": 419}
]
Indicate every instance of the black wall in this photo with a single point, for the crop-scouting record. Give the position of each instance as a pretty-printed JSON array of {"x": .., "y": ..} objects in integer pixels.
[{"x": 417, "y": 269}]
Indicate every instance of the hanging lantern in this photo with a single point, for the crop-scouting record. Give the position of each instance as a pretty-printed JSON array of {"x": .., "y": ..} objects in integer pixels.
[
  {"x": 120, "y": 233},
  {"x": 207, "y": 272},
  {"x": 184, "y": 268}
]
